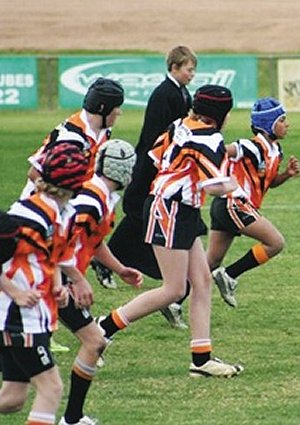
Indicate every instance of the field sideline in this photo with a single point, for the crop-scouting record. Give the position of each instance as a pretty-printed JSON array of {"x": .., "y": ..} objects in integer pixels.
[{"x": 145, "y": 379}]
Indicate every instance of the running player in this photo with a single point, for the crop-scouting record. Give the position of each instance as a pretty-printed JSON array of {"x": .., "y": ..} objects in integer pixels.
[
  {"x": 192, "y": 161},
  {"x": 87, "y": 128},
  {"x": 255, "y": 163},
  {"x": 31, "y": 288},
  {"x": 95, "y": 210}
]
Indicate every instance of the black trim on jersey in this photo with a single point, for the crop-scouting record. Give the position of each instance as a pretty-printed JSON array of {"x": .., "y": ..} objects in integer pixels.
[
  {"x": 253, "y": 158},
  {"x": 215, "y": 157},
  {"x": 72, "y": 128},
  {"x": 90, "y": 193},
  {"x": 33, "y": 243},
  {"x": 207, "y": 131},
  {"x": 13, "y": 322},
  {"x": 90, "y": 210},
  {"x": 25, "y": 222},
  {"x": 32, "y": 206}
]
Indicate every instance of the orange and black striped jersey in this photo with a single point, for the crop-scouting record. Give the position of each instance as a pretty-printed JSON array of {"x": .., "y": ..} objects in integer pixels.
[
  {"x": 76, "y": 123},
  {"x": 190, "y": 156},
  {"x": 255, "y": 167},
  {"x": 45, "y": 232},
  {"x": 95, "y": 215}
]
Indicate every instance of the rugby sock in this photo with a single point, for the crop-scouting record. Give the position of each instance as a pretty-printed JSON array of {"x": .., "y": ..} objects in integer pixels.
[
  {"x": 201, "y": 351},
  {"x": 37, "y": 418},
  {"x": 254, "y": 257},
  {"x": 81, "y": 379},
  {"x": 114, "y": 322}
]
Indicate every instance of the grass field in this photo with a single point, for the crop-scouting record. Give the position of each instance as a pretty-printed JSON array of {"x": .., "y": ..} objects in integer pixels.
[{"x": 145, "y": 379}]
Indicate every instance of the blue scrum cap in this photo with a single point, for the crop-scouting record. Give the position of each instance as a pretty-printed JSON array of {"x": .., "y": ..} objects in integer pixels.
[{"x": 265, "y": 113}]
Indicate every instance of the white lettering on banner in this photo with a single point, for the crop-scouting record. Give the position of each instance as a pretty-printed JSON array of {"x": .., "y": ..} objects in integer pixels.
[
  {"x": 222, "y": 77},
  {"x": 9, "y": 97},
  {"x": 138, "y": 85},
  {"x": 16, "y": 80}
]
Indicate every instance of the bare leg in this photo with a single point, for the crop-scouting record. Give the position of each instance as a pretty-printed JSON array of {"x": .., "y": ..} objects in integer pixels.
[
  {"x": 49, "y": 389},
  {"x": 174, "y": 269},
  {"x": 218, "y": 245},
  {"x": 264, "y": 231},
  {"x": 13, "y": 396},
  {"x": 92, "y": 344}
]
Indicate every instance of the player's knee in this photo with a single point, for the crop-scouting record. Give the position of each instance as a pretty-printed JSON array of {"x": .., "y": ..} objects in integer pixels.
[
  {"x": 13, "y": 404},
  {"x": 97, "y": 346},
  {"x": 93, "y": 340},
  {"x": 58, "y": 390},
  {"x": 278, "y": 245},
  {"x": 178, "y": 294}
]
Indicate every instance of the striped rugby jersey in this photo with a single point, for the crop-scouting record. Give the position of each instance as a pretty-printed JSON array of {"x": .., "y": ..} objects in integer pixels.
[
  {"x": 255, "y": 166},
  {"x": 77, "y": 123},
  {"x": 95, "y": 215},
  {"x": 190, "y": 156},
  {"x": 44, "y": 236}
]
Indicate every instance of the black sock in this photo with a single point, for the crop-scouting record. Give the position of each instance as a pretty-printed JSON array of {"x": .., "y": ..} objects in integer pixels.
[
  {"x": 200, "y": 358},
  {"x": 247, "y": 262},
  {"x": 78, "y": 390},
  {"x": 109, "y": 326}
]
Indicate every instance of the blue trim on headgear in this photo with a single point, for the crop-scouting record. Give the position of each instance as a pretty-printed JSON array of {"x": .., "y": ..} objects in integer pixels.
[{"x": 265, "y": 113}]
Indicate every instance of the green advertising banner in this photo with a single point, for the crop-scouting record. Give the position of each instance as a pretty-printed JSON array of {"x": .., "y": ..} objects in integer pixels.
[
  {"x": 18, "y": 82},
  {"x": 139, "y": 75}
]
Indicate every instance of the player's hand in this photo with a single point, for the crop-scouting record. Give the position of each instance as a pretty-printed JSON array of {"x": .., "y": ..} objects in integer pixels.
[
  {"x": 62, "y": 297},
  {"x": 28, "y": 298},
  {"x": 293, "y": 166},
  {"x": 132, "y": 276},
  {"x": 82, "y": 293}
]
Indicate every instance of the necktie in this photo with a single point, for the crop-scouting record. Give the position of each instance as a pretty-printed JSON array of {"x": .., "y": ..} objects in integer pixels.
[{"x": 184, "y": 94}]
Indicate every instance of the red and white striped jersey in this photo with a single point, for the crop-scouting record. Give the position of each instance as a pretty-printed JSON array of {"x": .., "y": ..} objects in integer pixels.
[
  {"x": 255, "y": 167},
  {"x": 95, "y": 215},
  {"x": 190, "y": 156},
  {"x": 44, "y": 236}
]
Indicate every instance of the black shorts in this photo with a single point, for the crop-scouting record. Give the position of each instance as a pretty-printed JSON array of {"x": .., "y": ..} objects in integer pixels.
[
  {"x": 21, "y": 364},
  {"x": 74, "y": 318},
  {"x": 171, "y": 224},
  {"x": 231, "y": 215}
]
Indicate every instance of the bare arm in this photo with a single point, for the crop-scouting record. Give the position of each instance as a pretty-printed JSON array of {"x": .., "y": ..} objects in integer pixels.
[
  {"x": 220, "y": 189},
  {"x": 23, "y": 298},
  {"x": 60, "y": 292},
  {"x": 81, "y": 288},
  {"x": 292, "y": 170},
  {"x": 130, "y": 275}
]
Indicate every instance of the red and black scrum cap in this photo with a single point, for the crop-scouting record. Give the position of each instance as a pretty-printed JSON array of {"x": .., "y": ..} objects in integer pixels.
[{"x": 65, "y": 166}]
